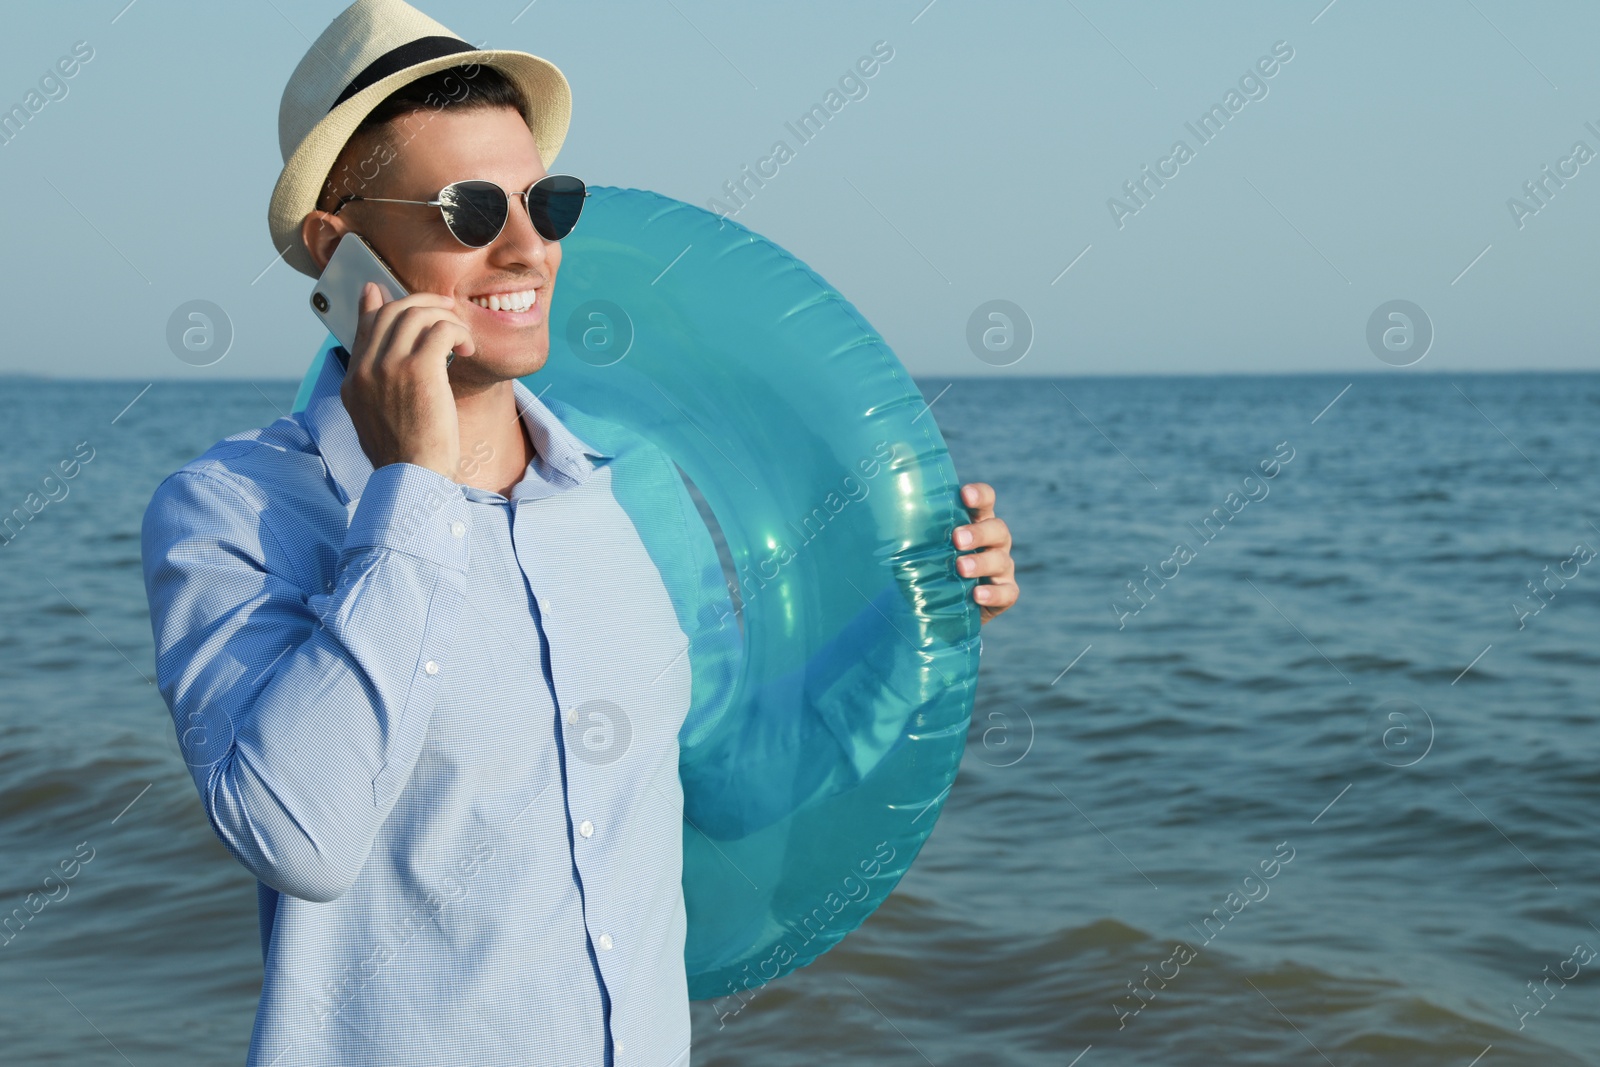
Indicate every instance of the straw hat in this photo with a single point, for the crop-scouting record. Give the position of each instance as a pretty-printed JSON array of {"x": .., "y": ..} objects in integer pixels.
[{"x": 370, "y": 50}]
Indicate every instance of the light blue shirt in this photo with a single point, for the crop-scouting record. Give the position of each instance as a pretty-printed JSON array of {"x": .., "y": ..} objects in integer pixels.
[{"x": 441, "y": 729}]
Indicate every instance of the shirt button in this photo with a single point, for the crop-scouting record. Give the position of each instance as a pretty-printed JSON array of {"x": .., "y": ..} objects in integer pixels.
[
  {"x": 572, "y": 716},
  {"x": 605, "y": 940},
  {"x": 458, "y": 528},
  {"x": 586, "y": 828},
  {"x": 431, "y": 667}
]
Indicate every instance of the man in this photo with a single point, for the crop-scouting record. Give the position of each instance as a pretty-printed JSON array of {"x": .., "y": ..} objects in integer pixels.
[{"x": 377, "y": 619}]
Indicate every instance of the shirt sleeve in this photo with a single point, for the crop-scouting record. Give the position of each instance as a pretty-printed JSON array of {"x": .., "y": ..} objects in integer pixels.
[{"x": 302, "y": 713}]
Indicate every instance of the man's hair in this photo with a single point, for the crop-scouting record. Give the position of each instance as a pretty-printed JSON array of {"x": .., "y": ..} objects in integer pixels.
[{"x": 375, "y": 141}]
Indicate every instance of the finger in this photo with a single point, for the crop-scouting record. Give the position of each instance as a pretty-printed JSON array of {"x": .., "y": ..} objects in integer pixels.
[
  {"x": 996, "y": 597},
  {"x": 371, "y": 299},
  {"x": 386, "y": 309},
  {"x": 405, "y": 335},
  {"x": 978, "y": 498},
  {"x": 447, "y": 335},
  {"x": 380, "y": 321},
  {"x": 393, "y": 309},
  {"x": 987, "y": 533},
  {"x": 991, "y": 563}
]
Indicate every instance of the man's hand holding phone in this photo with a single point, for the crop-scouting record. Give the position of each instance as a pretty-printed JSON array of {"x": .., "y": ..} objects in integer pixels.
[{"x": 397, "y": 387}]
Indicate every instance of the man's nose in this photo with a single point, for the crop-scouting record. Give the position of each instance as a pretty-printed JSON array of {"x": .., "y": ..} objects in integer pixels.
[{"x": 519, "y": 240}]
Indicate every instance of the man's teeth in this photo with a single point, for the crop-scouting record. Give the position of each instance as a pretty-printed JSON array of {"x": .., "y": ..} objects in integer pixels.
[{"x": 508, "y": 301}]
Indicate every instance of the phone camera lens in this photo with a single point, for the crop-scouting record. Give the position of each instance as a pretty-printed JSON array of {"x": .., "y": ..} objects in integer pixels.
[{"x": 319, "y": 301}]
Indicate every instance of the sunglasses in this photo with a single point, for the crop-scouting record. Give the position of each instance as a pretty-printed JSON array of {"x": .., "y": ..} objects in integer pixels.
[{"x": 475, "y": 211}]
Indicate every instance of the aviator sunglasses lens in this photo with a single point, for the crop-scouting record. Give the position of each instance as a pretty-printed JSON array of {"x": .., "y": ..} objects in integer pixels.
[
  {"x": 475, "y": 211},
  {"x": 554, "y": 203}
]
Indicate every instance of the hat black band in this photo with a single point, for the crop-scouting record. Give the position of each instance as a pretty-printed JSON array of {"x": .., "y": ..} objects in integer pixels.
[{"x": 397, "y": 59}]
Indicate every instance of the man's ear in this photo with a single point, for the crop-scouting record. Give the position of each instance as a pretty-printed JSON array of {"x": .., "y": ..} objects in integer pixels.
[{"x": 320, "y": 232}]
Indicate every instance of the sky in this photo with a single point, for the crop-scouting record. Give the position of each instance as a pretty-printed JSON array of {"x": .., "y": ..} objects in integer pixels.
[{"x": 987, "y": 160}]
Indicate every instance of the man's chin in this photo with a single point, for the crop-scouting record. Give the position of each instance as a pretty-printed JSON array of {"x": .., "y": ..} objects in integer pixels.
[{"x": 516, "y": 363}]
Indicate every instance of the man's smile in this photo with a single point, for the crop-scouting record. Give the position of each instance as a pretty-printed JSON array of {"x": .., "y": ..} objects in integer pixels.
[{"x": 519, "y": 307}]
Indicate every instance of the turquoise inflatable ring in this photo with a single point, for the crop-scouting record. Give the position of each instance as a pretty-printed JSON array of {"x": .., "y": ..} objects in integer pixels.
[{"x": 833, "y": 676}]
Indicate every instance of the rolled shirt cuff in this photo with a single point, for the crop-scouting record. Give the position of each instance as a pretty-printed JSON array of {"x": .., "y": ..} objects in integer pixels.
[{"x": 409, "y": 508}]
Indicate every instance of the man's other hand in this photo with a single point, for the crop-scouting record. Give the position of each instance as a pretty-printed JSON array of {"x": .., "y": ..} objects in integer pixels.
[{"x": 992, "y": 538}]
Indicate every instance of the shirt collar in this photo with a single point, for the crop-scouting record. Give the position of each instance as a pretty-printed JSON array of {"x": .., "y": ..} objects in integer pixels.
[{"x": 330, "y": 427}]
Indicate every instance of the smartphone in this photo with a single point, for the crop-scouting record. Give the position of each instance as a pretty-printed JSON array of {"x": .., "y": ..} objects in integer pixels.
[{"x": 336, "y": 298}]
